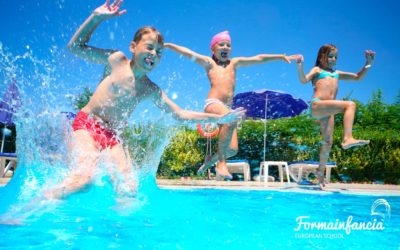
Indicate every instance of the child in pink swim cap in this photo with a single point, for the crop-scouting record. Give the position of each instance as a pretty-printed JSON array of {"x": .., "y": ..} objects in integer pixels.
[
  {"x": 223, "y": 41},
  {"x": 223, "y": 36},
  {"x": 221, "y": 70}
]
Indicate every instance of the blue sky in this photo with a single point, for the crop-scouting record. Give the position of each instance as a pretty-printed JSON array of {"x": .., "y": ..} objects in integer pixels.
[{"x": 256, "y": 26}]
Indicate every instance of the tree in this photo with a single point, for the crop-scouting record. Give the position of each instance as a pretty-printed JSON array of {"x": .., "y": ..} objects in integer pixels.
[{"x": 82, "y": 99}]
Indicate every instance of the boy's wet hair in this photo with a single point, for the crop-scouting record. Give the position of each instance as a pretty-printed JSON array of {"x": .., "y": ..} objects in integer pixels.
[
  {"x": 322, "y": 58},
  {"x": 146, "y": 30}
]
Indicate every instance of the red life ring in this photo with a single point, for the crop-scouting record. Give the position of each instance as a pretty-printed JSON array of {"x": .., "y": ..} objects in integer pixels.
[{"x": 208, "y": 134}]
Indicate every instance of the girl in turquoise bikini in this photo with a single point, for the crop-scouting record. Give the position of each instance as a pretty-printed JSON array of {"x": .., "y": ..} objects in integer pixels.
[{"x": 323, "y": 106}]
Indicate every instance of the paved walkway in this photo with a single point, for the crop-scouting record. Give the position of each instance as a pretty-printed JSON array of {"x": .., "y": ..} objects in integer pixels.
[{"x": 349, "y": 188}]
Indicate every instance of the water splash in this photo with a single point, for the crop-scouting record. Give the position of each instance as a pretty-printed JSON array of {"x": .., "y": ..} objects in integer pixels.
[{"x": 44, "y": 133}]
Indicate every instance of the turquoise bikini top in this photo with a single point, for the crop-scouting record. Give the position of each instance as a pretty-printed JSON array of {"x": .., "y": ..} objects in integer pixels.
[{"x": 325, "y": 73}]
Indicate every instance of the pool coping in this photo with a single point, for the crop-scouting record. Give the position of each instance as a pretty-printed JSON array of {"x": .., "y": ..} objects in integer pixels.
[{"x": 344, "y": 188}]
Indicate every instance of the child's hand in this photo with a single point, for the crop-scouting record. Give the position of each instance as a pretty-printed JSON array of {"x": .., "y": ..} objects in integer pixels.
[
  {"x": 286, "y": 58},
  {"x": 299, "y": 58},
  {"x": 370, "y": 56},
  {"x": 233, "y": 116},
  {"x": 107, "y": 10}
]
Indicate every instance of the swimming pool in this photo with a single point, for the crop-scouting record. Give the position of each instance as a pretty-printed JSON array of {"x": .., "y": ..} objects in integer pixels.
[
  {"x": 208, "y": 219},
  {"x": 158, "y": 218}
]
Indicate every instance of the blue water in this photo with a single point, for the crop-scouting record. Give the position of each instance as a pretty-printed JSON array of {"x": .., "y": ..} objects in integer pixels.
[{"x": 201, "y": 219}]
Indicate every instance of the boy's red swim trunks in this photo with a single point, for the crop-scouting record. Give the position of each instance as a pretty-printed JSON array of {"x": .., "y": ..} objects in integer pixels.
[{"x": 103, "y": 136}]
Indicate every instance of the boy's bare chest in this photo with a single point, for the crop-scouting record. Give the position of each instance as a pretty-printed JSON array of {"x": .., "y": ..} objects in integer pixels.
[{"x": 125, "y": 85}]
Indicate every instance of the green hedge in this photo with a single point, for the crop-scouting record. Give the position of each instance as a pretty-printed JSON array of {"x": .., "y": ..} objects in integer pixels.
[{"x": 293, "y": 139}]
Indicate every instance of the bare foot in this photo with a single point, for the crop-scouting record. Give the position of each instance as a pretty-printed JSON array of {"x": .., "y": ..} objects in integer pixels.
[
  {"x": 354, "y": 143},
  {"x": 126, "y": 189},
  {"x": 222, "y": 172}
]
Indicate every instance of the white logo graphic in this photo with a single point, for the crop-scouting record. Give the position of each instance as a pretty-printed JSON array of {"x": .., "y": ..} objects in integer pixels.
[{"x": 381, "y": 208}]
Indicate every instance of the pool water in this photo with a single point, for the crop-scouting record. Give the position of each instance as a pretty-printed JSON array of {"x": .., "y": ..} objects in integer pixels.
[{"x": 203, "y": 219}]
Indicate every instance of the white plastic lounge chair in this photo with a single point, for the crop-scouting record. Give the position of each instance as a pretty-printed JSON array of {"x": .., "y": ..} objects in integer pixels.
[
  {"x": 260, "y": 178},
  {"x": 281, "y": 165},
  {"x": 11, "y": 158},
  {"x": 299, "y": 169},
  {"x": 239, "y": 167}
]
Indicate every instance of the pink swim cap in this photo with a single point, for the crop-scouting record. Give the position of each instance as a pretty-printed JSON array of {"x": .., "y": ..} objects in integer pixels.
[{"x": 223, "y": 36}]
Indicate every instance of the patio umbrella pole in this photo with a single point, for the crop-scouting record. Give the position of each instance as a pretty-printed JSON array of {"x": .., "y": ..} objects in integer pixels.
[
  {"x": 6, "y": 132},
  {"x": 265, "y": 141},
  {"x": 2, "y": 141}
]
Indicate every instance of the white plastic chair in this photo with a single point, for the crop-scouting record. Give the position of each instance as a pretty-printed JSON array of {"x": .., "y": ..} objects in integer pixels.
[{"x": 239, "y": 167}]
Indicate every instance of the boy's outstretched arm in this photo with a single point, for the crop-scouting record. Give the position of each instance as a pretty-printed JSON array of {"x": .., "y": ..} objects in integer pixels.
[
  {"x": 78, "y": 43},
  {"x": 168, "y": 106},
  {"x": 369, "y": 56},
  {"x": 204, "y": 61}
]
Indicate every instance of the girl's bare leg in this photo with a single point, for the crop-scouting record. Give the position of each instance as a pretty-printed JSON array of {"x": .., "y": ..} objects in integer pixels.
[
  {"x": 227, "y": 147},
  {"x": 227, "y": 144},
  {"x": 325, "y": 108},
  {"x": 326, "y": 127}
]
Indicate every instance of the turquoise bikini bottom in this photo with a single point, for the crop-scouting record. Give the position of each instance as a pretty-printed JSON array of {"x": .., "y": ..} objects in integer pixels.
[{"x": 316, "y": 99}]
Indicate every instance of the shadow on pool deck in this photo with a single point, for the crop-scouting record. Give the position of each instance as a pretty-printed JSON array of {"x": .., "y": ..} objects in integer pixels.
[{"x": 349, "y": 188}]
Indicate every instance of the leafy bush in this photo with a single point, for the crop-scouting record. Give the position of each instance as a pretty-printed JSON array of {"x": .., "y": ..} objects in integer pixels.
[
  {"x": 184, "y": 155},
  {"x": 82, "y": 99}
]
